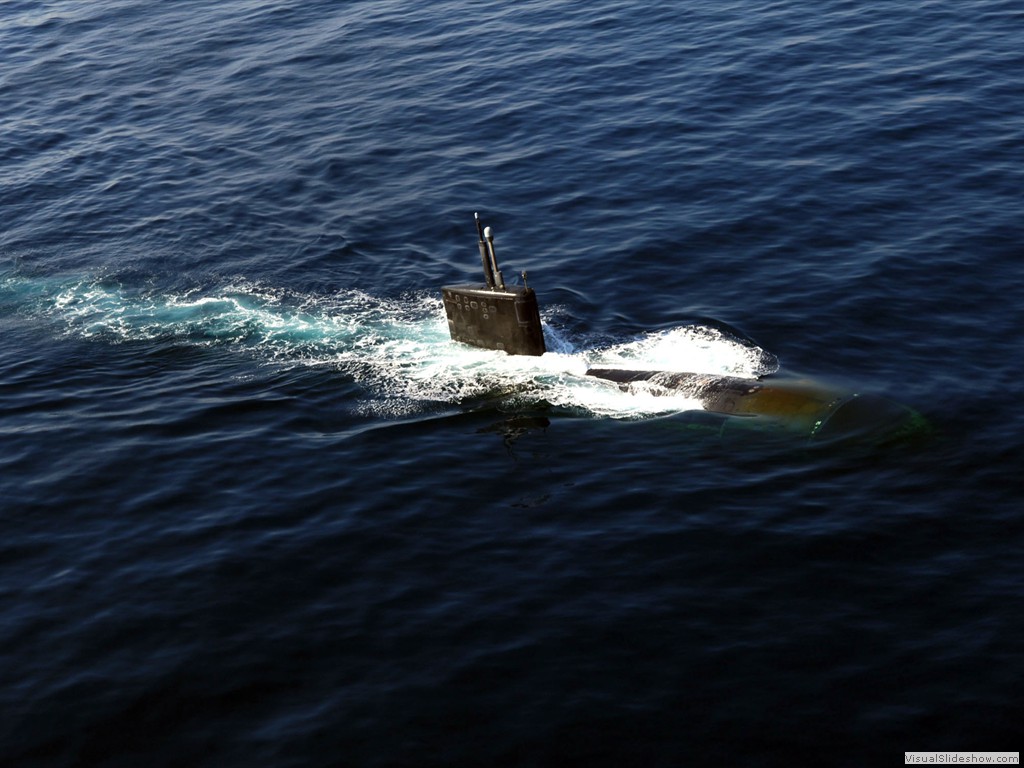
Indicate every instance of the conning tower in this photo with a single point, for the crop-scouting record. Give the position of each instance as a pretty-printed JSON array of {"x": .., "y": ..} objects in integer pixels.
[{"x": 491, "y": 315}]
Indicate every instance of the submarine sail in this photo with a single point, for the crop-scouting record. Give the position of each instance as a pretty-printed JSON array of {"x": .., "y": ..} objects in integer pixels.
[{"x": 491, "y": 315}]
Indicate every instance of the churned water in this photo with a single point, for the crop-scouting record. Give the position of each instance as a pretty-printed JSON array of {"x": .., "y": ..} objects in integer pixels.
[{"x": 258, "y": 509}]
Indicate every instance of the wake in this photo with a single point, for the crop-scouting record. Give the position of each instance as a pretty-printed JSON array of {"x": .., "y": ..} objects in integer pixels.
[{"x": 397, "y": 349}]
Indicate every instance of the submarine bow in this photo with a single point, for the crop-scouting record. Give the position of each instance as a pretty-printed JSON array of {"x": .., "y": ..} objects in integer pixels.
[{"x": 796, "y": 405}]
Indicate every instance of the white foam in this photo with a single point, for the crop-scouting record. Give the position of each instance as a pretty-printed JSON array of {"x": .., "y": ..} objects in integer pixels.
[
  {"x": 399, "y": 350},
  {"x": 693, "y": 348}
]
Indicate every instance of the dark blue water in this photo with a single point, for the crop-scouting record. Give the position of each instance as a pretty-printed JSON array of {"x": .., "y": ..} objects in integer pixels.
[{"x": 257, "y": 509}]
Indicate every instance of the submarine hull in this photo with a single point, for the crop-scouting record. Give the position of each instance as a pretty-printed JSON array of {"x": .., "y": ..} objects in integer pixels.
[{"x": 796, "y": 405}]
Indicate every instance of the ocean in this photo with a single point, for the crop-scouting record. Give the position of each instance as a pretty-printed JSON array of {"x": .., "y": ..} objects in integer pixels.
[{"x": 258, "y": 508}]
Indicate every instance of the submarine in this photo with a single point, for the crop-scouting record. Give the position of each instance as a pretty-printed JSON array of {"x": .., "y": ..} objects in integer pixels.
[{"x": 493, "y": 315}]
